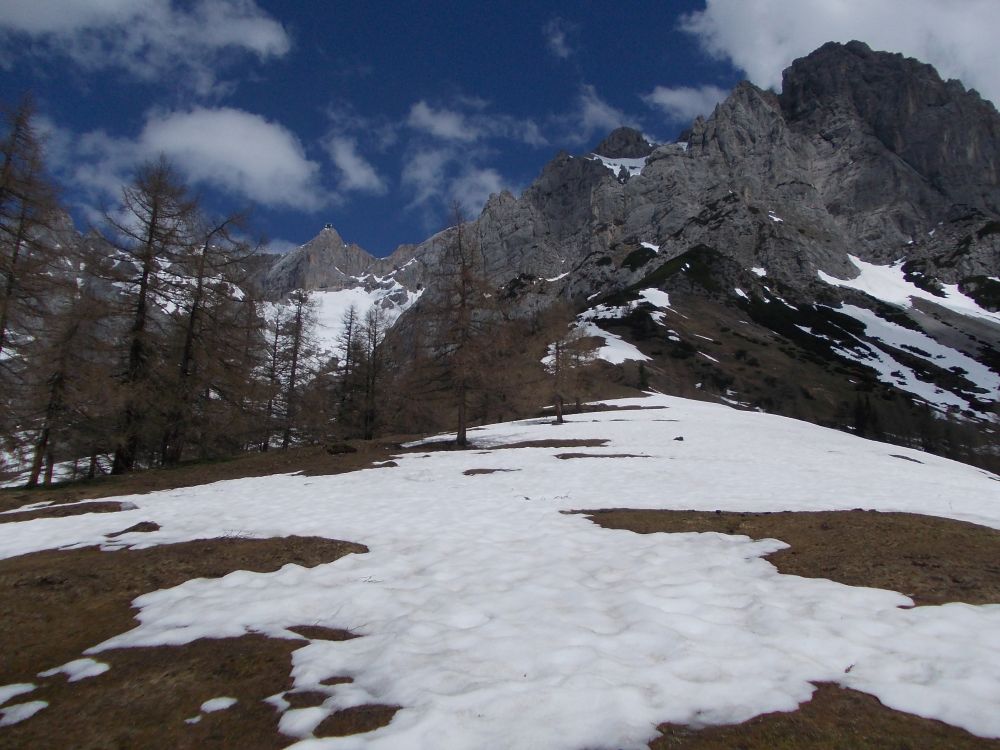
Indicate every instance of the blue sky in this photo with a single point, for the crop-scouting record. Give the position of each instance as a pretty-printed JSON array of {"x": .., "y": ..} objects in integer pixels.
[{"x": 376, "y": 116}]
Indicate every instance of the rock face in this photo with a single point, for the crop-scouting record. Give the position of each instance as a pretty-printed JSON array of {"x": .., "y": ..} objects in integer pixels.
[
  {"x": 625, "y": 143},
  {"x": 753, "y": 219}
]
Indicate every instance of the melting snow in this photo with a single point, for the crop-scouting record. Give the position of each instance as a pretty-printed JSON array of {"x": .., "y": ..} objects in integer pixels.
[
  {"x": 78, "y": 669},
  {"x": 888, "y": 283},
  {"x": 615, "y": 349},
  {"x": 650, "y": 246},
  {"x": 331, "y": 306},
  {"x": 759, "y": 271},
  {"x": 494, "y": 620},
  {"x": 218, "y": 704},
  {"x": 19, "y": 712},
  {"x": 893, "y": 372},
  {"x": 632, "y": 166},
  {"x": 10, "y": 691}
]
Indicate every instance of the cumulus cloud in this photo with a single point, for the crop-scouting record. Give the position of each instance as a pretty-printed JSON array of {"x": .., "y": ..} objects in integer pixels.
[
  {"x": 237, "y": 152},
  {"x": 684, "y": 103},
  {"x": 146, "y": 39},
  {"x": 356, "y": 172},
  {"x": 763, "y": 37},
  {"x": 556, "y": 33}
]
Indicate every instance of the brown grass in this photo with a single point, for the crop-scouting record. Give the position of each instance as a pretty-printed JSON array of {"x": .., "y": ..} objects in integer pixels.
[
  {"x": 56, "y": 604},
  {"x": 835, "y": 719},
  {"x": 932, "y": 560}
]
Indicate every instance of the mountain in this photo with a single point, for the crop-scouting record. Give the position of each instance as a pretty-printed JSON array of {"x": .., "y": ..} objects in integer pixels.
[{"x": 829, "y": 253}]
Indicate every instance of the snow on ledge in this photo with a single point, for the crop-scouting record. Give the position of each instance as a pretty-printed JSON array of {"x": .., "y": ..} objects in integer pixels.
[{"x": 889, "y": 284}]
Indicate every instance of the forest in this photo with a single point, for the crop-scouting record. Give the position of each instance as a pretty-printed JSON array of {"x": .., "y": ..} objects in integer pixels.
[{"x": 146, "y": 343}]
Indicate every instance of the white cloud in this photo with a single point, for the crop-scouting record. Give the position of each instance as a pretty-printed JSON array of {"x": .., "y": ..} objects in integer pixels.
[
  {"x": 477, "y": 125},
  {"x": 684, "y": 103},
  {"x": 147, "y": 39},
  {"x": 763, "y": 37},
  {"x": 445, "y": 124},
  {"x": 239, "y": 152},
  {"x": 556, "y": 38},
  {"x": 437, "y": 177},
  {"x": 424, "y": 174},
  {"x": 592, "y": 118},
  {"x": 474, "y": 187},
  {"x": 234, "y": 151},
  {"x": 279, "y": 246},
  {"x": 356, "y": 173}
]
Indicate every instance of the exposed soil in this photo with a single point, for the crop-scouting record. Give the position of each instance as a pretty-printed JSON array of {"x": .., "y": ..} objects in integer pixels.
[
  {"x": 320, "y": 633},
  {"x": 354, "y": 720},
  {"x": 835, "y": 719},
  {"x": 932, "y": 560},
  {"x": 566, "y": 456},
  {"x": 58, "y": 603},
  {"x": 309, "y": 461},
  {"x": 555, "y": 443},
  {"x": 146, "y": 696},
  {"x": 62, "y": 511}
]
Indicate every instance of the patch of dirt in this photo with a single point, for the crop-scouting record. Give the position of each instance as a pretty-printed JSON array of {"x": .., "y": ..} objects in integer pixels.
[
  {"x": 312, "y": 461},
  {"x": 566, "y": 456},
  {"x": 569, "y": 443},
  {"x": 143, "y": 527},
  {"x": 835, "y": 719},
  {"x": 146, "y": 696},
  {"x": 305, "y": 698},
  {"x": 476, "y": 472},
  {"x": 62, "y": 511},
  {"x": 320, "y": 633},
  {"x": 932, "y": 560},
  {"x": 366, "y": 718},
  {"x": 58, "y": 603}
]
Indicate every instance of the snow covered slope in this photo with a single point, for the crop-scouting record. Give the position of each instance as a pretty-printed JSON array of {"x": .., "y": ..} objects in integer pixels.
[{"x": 496, "y": 621}]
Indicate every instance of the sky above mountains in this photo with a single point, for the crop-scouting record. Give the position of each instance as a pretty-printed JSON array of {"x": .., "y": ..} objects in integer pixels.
[{"x": 376, "y": 117}]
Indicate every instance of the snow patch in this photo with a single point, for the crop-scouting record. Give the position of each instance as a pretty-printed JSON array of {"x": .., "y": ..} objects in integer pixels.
[
  {"x": 615, "y": 349},
  {"x": 218, "y": 704},
  {"x": 489, "y": 617},
  {"x": 18, "y": 688},
  {"x": 19, "y": 712},
  {"x": 889, "y": 284},
  {"x": 632, "y": 166},
  {"x": 78, "y": 669}
]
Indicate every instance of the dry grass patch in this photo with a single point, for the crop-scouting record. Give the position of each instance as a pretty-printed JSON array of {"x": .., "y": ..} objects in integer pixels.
[
  {"x": 310, "y": 461},
  {"x": 62, "y": 511},
  {"x": 835, "y": 719},
  {"x": 932, "y": 560},
  {"x": 56, "y": 604}
]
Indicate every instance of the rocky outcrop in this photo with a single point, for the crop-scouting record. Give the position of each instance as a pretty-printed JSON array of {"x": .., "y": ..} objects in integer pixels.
[{"x": 625, "y": 143}]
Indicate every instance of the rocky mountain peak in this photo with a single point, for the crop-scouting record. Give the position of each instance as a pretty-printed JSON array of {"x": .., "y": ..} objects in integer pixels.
[
  {"x": 949, "y": 135},
  {"x": 326, "y": 261},
  {"x": 624, "y": 143}
]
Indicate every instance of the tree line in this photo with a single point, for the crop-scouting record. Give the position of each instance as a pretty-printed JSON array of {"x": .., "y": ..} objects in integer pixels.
[{"x": 143, "y": 344}]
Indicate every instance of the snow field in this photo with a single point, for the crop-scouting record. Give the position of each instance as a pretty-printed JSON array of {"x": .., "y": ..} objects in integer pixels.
[{"x": 494, "y": 620}]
